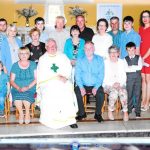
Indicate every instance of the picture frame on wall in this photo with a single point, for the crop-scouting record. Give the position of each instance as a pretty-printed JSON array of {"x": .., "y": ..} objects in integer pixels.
[{"x": 109, "y": 10}]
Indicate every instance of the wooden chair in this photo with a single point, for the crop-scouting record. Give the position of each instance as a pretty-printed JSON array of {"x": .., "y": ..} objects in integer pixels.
[
  {"x": 32, "y": 111},
  {"x": 117, "y": 104},
  {"x": 7, "y": 109},
  {"x": 91, "y": 108}
]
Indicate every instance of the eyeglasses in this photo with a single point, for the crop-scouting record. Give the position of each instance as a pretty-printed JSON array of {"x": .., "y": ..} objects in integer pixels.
[
  {"x": 23, "y": 53},
  {"x": 145, "y": 16}
]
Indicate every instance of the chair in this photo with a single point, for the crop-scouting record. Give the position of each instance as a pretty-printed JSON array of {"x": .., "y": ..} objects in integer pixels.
[
  {"x": 117, "y": 104},
  {"x": 7, "y": 109},
  {"x": 91, "y": 108},
  {"x": 32, "y": 111}
]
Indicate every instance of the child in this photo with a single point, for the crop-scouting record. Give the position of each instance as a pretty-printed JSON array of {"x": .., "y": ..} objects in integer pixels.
[
  {"x": 133, "y": 65},
  {"x": 4, "y": 89},
  {"x": 129, "y": 35}
]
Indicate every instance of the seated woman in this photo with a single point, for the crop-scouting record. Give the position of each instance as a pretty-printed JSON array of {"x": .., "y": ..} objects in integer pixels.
[
  {"x": 36, "y": 47},
  {"x": 23, "y": 80},
  {"x": 115, "y": 82}
]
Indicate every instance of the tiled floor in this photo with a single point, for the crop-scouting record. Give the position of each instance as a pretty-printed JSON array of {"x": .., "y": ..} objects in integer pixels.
[{"x": 87, "y": 128}]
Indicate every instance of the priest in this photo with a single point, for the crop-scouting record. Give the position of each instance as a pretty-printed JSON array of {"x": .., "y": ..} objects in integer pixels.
[{"x": 55, "y": 93}]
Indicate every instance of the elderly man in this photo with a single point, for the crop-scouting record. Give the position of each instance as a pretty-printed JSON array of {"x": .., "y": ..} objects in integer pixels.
[
  {"x": 54, "y": 89},
  {"x": 60, "y": 34},
  {"x": 89, "y": 74}
]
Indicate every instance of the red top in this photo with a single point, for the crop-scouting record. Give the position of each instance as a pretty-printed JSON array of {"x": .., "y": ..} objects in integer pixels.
[{"x": 145, "y": 42}]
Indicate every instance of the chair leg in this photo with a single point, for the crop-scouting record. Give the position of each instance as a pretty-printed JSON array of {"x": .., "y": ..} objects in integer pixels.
[
  {"x": 32, "y": 110},
  {"x": 84, "y": 102}
]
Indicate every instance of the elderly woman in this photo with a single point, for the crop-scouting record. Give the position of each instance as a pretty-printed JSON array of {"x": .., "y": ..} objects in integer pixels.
[
  {"x": 36, "y": 47},
  {"x": 23, "y": 80},
  {"x": 9, "y": 47},
  {"x": 115, "y": 82}
]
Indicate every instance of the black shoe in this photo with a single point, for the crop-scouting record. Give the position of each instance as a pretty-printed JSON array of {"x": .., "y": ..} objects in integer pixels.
[
  {"x": 138, "y": 115},
  {"x": 74, "y": 126},
  {"x": 81, "y": 117},
  {"x": 98, "y": 118}
]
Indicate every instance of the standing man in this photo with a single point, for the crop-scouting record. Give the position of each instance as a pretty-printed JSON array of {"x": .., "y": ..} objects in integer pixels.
[
  {"x": 115, "y": 32},
  {"x": 3, "y": 28},
  {"x": 60, "y": 34},
  {"x": 129, "y": 35},
  {"x": 89, "y": 74},
  {"x": 86, "y": 33}
]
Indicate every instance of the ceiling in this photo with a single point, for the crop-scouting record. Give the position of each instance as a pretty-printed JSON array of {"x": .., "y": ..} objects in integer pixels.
[{"x": 53, "y": 1}]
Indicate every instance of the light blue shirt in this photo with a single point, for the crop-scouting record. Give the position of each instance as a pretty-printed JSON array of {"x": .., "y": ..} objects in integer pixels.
[
  {"x": 116, "y": 37},
  {"x": 3, "y": 84},
  {"x": 89, "y": 73},
  {"x": 2, "y": 36},
  {"x": 68, "y": 49},
  {"x": 132, "y": 36},
  {"x": 6, "y": 54}
]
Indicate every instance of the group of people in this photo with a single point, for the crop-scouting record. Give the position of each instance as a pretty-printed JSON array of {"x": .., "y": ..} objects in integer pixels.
[{"x": 59, "y": 69}]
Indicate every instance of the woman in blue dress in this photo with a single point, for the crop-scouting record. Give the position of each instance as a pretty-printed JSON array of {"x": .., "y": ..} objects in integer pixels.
[{"x": 23, "y": 80}]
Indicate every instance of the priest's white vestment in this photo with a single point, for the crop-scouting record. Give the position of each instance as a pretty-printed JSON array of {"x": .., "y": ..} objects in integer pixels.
[{"x": 57, "y": 99}]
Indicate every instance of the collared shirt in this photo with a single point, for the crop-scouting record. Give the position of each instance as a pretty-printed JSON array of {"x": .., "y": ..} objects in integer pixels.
[
  {"x": 132, "y": 36},
  {"x": 2, "y": 36},
  {"x": 89, "y": 73},
  {"x": 133, "y": 68},
  {"x": 116, "y": 37}
]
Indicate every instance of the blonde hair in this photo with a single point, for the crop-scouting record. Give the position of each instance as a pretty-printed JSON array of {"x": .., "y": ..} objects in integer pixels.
[
  {"x": 11, "y": 26},
  {"x": 24, "y": 49}
]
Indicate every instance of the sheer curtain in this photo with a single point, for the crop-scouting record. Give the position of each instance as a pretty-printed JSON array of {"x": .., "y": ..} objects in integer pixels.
[{"x": 51, "y": 12}]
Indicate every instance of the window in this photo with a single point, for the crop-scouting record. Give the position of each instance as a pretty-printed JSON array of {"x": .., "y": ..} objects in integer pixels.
[{"x": 51, "y": 12}]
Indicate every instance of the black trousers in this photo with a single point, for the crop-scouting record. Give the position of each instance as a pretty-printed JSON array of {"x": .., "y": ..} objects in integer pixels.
[
  {"x": 99, "y": 99},
  {"x": 134, "y": 92}
]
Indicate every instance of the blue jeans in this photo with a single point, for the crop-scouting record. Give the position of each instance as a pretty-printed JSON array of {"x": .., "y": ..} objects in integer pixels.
[{"x": 2, "y": 103}]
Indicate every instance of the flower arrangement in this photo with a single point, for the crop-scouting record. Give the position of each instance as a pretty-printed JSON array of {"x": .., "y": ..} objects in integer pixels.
[
  {"x": 27, "y": 13},
  {"x": 75, "y": 11}
]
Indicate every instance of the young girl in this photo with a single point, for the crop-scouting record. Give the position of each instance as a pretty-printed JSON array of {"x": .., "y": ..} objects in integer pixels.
[{"x": 4, "y": 89}]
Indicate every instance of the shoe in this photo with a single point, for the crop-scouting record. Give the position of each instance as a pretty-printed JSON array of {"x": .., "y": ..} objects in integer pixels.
[
  {"x": 98, "y": 118},
  {"x": 21, "y": 117},
  {"x": 144, "y": 108},
  {"x": 81, "y": 117},
  {"x": 110, "y": 115},
  {"x": 125, "y": 117},
  {"x": 2, "y": 116},
  {"x": 138, "y": 115},
  {"x": 74, "y": 126},
  {"x": 27, "y": 119}
]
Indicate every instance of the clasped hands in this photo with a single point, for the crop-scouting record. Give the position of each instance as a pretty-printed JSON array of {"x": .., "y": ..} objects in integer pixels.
[{"x": 83, "y": 91}]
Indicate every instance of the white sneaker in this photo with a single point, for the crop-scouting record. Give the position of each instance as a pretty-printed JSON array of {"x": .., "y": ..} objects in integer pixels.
[{"x": 110, "y": 115}]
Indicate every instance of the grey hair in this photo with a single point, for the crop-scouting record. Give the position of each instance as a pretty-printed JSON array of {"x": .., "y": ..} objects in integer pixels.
[{"x": 114, "y": 47}]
